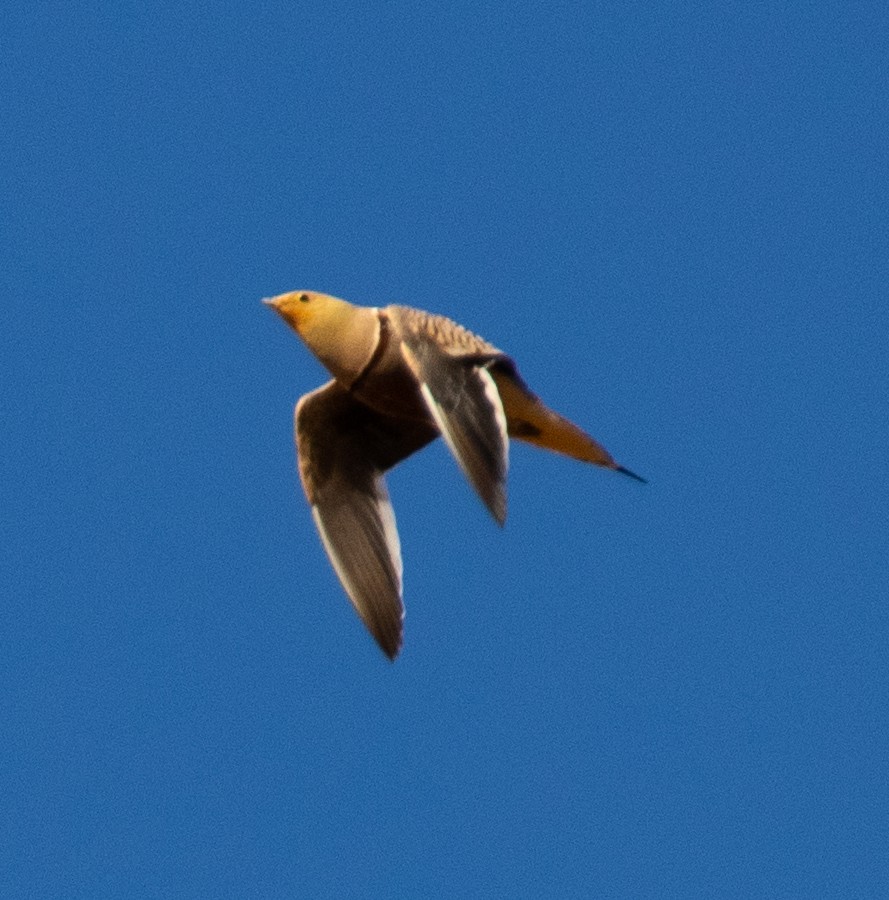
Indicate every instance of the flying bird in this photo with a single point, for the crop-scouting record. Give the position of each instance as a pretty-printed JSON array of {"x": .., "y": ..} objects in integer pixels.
[{"x": 401, "y": 378}]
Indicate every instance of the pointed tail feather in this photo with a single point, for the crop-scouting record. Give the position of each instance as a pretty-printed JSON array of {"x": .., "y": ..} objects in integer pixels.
[{"x": 530, "y": 420}]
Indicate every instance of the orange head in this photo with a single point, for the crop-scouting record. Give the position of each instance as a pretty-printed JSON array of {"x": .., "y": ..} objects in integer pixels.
[{"x": 343, "y": 336}]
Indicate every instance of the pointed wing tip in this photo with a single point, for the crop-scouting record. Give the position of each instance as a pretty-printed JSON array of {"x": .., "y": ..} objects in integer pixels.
[
  {"x": 387, "y": 634},
  {"x": 391, "y": 649},
  {"x": 494, "y": 499},
  {"x": 633, "y": 475}
]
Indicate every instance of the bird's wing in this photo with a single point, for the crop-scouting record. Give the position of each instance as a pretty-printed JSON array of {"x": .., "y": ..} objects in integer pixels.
[
  {"x": 451, "y": 367},
  {"x": 343, "y": 449}
]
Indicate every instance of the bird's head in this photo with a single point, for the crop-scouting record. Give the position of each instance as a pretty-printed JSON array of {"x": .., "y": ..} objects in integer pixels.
[
  {"x": 339, "y": 333},
  {"x": 307, "y": 312}
]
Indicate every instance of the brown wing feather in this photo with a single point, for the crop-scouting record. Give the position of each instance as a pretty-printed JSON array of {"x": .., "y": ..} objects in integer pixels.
[
  {"x": 450, "y": 365},
  {"x": 343, "y": 449}
]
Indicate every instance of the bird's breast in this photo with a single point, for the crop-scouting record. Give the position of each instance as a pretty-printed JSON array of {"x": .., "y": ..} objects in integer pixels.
[{"x": 387, "y": 384}]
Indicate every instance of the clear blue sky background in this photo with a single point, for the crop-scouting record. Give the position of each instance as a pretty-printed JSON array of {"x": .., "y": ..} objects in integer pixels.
[{"x": 674, "y": 216}]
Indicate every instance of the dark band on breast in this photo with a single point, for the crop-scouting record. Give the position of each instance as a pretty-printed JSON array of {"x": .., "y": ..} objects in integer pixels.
[{"x": 379, "y": 350}]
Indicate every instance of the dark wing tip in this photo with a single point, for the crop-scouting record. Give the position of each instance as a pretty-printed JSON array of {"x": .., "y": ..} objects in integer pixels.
[
  {"x": 391, "y": 647},
  {"x": 497, "y": 506},
  {"x": 386, "y": 629},
  {"x": 633, "y": 475}
]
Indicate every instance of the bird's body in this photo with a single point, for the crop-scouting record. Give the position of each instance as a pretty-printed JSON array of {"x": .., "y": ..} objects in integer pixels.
[{"x": 401, "y": 378}]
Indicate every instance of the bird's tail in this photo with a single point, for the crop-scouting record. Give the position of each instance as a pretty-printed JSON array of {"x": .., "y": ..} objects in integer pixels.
[{"x": 529, "y": 419}]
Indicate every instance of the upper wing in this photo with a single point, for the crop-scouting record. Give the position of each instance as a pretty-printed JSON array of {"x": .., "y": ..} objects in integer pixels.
[
  {"x": 343, "y": 449},
  {"x": 450, "y": 365}
]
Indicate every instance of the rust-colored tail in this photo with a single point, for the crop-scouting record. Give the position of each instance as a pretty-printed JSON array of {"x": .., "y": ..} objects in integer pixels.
[{"x": 529, "y": 419}]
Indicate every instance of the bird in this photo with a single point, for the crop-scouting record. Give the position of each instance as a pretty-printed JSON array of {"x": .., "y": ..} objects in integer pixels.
[{"x": 401, "y": 378}]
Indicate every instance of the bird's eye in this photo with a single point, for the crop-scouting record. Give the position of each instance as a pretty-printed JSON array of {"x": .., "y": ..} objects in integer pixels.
[{"x": 304, "y": 298}]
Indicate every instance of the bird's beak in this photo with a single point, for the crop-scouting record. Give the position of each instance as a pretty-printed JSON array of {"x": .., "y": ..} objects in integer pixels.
[{"x": 270, "y": 301}]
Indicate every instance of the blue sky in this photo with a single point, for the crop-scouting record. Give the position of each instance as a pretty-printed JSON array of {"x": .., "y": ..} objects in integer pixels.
[{"x": 674, "y": 217}]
